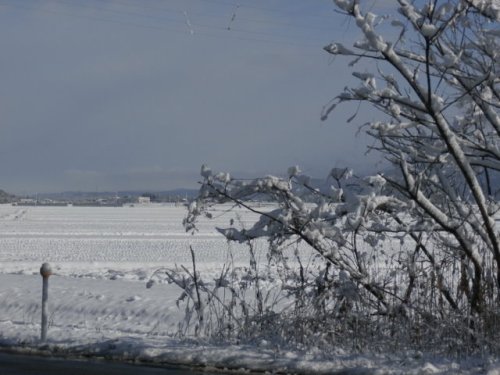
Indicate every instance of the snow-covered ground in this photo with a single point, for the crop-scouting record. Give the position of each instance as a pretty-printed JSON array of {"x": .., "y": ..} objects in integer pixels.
[{"x": 100, "y": 306}]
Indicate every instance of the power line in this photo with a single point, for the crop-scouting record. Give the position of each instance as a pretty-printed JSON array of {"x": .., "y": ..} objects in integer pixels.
[
  {"x": 289, "y": 24},
  {"x": 59, "y": 12},
  {"x": 180, "y": 12},
  {"x": 183, "y": 31},
  {"x": 182, "y": 21},
  {"x": 264, "y": 9}
]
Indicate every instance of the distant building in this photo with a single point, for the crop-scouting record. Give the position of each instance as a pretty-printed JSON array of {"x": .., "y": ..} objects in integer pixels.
[
  {"x": 27, "y": 201},
  {"x": 144, "y": 200}
]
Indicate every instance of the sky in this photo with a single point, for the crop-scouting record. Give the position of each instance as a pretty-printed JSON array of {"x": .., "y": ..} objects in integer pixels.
[{"x": 110, "y": 95}]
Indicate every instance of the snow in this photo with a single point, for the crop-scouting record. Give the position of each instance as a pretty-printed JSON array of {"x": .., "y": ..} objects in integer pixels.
[
  {"x": 429, "y": 30},
  {"x": 338, "y": 49},
  {"x": 345, "y": 5},
  {"x": 99, "y": 304}
]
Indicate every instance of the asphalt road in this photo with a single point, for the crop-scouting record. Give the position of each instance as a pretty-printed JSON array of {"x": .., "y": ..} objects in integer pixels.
[{"x": 13, "y": 364}]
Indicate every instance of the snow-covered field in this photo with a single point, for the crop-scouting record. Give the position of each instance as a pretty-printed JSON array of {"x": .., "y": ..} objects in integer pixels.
[
  {"x": 99, "y": 303},
  {"x": 104, "y": 242}
]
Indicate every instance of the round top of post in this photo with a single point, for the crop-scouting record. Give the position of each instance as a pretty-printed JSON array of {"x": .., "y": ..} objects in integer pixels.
[{"x": 46, "y": 270}]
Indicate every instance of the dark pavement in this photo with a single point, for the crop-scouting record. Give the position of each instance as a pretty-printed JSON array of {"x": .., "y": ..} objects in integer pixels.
[{"x": 14, "y": 364}]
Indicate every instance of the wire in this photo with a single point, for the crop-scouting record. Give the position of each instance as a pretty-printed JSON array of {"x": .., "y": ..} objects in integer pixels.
[
  {"x": 179, "y": 12},
  {"x": 59, "y": 12},
  {"x": 272, "y": 10},
  {"x": 273, "y": 22},
  {"x": 182, "y": 31}
]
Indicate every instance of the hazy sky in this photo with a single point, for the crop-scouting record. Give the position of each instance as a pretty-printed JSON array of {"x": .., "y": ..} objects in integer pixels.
[{"x": 137, "y": 94}]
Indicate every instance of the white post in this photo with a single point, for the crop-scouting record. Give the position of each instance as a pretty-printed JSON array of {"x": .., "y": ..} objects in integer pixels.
[{"x": 45, "y": 271}]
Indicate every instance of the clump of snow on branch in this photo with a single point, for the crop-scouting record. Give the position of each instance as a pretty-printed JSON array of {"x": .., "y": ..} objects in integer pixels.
[{"x": 322, "y": 215}]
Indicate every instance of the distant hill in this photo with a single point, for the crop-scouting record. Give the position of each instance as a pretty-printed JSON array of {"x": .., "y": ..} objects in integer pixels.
[
  {"x": 6, "y": 197},
  {"x": 156, "y": 196}
]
